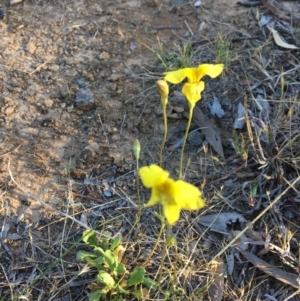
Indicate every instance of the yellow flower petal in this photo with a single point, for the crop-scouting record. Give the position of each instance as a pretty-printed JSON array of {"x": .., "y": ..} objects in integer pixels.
[
  {"x": 187, "y": 196},
  {"x": 153, "y": 175},
  {"x": 171, "y": 213},
  {"x": 192, "y": 92},
  {"x": 210, "y": 70},
  {"x": 176, "y": 77},
  {"x": 154, "y": 198}
]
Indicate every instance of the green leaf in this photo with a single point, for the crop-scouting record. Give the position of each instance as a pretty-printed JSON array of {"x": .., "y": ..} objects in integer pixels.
[
  {"x": 106, "y": 279},
  {"x": 136, "y": 277},
  {"x": 120, "y": 269},
  {"x": 149, "y": 282},
  {"x": 110, "y": 260},
  {"x": 137, "y": 293},
  {"x": 121, "y": 290},
  {"x": 82, "y": 255},
  {"x": 90, "y": 238},
  {"x": 94, "y": 263},
  {"x": 95, "y": 296},
  {"x": 104, "y": 244},
  {"x": 100, "y": 260},
  {"x": 115, "y": 243}
]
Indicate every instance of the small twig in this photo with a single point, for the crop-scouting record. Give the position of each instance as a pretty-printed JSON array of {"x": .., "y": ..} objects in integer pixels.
[
  {"x": 9, "y": 152},
  {"x": 106, "y": 138},
  {"x": 162, "y": 27},
  {"x": 123, "y": 121},
  {"x": 187, "y": 25},
  {"x": 38, "y": 68}
]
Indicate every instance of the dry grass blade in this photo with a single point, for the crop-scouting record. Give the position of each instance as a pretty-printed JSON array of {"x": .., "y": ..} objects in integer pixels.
[{"x": 283, "y": 276}]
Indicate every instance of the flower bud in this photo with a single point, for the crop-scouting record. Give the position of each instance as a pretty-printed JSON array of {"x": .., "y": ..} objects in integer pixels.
[{"x": 163, "y": 89}]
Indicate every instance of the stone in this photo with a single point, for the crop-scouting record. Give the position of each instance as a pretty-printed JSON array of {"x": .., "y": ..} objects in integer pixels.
[
  {"x": 54, "y": 68},
  {"x": 48, "y": 103},
  {"x": 31, "y": 47},
  {"x": 104, "y": 55},
  {"x": 84, "y": 99},
  {"x": 9, "y": 111}
]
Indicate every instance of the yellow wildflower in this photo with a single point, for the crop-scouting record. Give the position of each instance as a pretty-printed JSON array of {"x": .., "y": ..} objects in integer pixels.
[
  {"x": 194, "y": 86},
  {"x": 173, "y": 195},
  {"x": 163, "y": 89}
]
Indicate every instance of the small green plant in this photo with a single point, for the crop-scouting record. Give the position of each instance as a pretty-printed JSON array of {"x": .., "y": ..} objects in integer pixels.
[
  {"x": 240, "y": 145},
  {"x": 222, "y": 45},
  {"x": 113, "y": 281},
  {"x": 181, "y": 57}
]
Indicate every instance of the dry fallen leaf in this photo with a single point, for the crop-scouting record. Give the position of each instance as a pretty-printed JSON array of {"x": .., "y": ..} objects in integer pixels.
[
  {"x": 279, "y": 41},
  {"x": 281, "y": 275},
  {"x": 218, "y": 222},
  {"x": 209, "y": 131}
]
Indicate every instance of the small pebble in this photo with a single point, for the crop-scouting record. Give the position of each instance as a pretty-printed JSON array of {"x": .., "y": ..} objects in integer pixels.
[
  {"x": 54, "y": 68},
  {"x": 48, "y": 103},
  {"x": 46, "y": 122},
  {"x": 80, "y": 82},
  {"x": 195, "y": 138},
  {"x": 197, "y": 3},
  {"x": 9, "y": 111},
  {"x": 84, "y": 99},
  {"x": 31, "y": 48},
  {"x": 104, "y": 55},
  {"x": 215, "y": 108}
]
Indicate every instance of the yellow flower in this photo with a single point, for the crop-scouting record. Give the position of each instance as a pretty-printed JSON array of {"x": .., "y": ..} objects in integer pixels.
[
  {"x": 163, "y": 89},
  {"x": 194, "y": 86},
  {"x": 173, "y": 195}
]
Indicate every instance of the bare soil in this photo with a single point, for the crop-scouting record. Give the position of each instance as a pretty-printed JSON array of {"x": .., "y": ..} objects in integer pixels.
[{"x": 77, "y": 157}]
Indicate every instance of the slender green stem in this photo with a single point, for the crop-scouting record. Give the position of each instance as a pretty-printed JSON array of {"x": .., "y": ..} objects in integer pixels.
[
  {"x": 165, "y": 136},
  {"x": 163, "y": 255},
  {"x": 138, "y": 187},
  {"x": 138, "y": 215},
  {"x": 155, "y": 245},
  {"x": 184, "y": 141}
]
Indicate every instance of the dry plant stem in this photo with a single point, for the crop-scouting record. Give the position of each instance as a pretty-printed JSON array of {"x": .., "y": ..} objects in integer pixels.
[
  {"x": 250, "y": 225},
  {"x": 163, "y": 143},
  {"x": 155, "y": 245},
  {"x": 184, "y": 142}
]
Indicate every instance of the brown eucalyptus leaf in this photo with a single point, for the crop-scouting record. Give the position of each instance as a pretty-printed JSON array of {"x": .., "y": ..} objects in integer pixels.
[
  {"x": 208, "y": 129},
  {"x": 210, "y": 132},
  {"x": 281, "y": 275}
]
